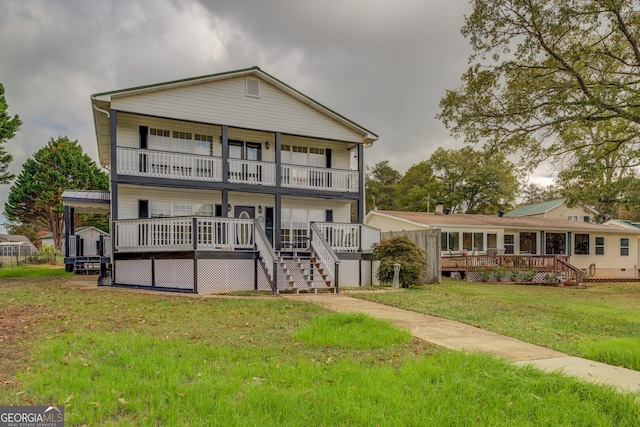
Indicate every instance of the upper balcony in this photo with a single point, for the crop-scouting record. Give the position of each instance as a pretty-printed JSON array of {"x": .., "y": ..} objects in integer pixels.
[{"x": 163, "y": 164}]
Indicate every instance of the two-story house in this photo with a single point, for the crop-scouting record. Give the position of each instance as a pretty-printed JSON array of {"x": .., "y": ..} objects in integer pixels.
[{"x": 232, "y": 181}]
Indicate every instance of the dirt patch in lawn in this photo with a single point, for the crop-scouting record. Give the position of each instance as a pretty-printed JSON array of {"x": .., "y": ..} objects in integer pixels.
[{"x": 18, "y": 325}]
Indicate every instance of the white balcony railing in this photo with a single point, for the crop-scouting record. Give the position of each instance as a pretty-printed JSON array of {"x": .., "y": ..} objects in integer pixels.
[
  {"x": 162, "y": 164},
  {"x": 320, "y": 178},
  {"x": 177, "y": 234},
  {"x": 252, "y": 172},
  {"x": 349, "y": 237}
]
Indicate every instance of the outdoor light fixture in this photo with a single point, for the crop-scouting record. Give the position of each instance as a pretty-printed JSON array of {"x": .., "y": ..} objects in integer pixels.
[
  {"x": 259, "y": 209},
  {"x": 266, "y": 145}
]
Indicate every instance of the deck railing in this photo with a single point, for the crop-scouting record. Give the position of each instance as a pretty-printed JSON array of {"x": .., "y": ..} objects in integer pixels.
[
  {"x": 549, "y": 268},
  {"x": 325, "y": 254},
  {"x": 267, "y": 255},
  {"x": 349, "y": 237},
  {"x": 164, "y": 164},
  {"x": 314, "y": 178},
  {"x": 160, "y": 234},
  {"x": 252, "y": 172}
]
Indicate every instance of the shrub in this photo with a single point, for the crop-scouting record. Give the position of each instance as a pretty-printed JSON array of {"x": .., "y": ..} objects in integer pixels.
[{"x": 400, "y": 250}]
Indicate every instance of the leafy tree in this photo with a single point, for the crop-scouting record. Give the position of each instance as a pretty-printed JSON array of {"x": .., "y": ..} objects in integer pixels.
[
  {"x": 419, "y": 189},
  {"x": 400, "y": 250},
  {"x": 534, "y": 193},
  {"x": 36, "y": 196},
  {"x": 475, "y": 181},
  {"x": 8, "y": 128},
  {"x": 381, "y": 181},
  {"x": 598, "y": 174},
  {"x": 543, "y": 67}
]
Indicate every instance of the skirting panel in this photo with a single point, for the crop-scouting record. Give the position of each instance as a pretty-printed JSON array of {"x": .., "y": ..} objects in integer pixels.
[
  {"x": 174, "y": 273},
  {"x": 217, "y": 276},
  {"x": 133, "y": 272},
  {"x": 349, "y": 273},
  {"x": 365, "y": 272},
  {"x": 375, "y": 266}
]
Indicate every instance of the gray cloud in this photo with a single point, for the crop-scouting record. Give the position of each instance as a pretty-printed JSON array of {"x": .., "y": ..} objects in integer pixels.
[{"x": 384, "y": 64}]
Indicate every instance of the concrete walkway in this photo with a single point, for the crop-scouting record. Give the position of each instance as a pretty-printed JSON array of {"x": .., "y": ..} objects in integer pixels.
[{"x": 458, "y": 336}]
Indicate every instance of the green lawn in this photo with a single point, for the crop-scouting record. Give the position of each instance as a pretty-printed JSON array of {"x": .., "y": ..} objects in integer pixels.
[
  {"x": 601, "y": 322},
  {"x": 116, "y": 357}
]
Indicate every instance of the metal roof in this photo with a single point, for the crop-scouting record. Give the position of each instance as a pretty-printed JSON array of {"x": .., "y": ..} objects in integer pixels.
[
  {"x": 536, "y": 208},
  {"x": 87, "y": 201}
]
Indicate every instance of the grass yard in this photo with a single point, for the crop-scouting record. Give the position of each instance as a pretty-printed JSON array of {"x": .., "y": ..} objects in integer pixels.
[
  {"x": 117, "y": 357},
  {"x": 599, "y": 323}
]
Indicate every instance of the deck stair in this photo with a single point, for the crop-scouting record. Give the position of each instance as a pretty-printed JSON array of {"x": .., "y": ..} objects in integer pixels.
[
  {"x": 302, "y": 271},
  {"x": 86, "y": 265}
]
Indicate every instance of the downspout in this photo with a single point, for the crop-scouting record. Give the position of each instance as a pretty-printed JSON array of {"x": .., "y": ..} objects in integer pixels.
[{"x": 95, "y": 107}]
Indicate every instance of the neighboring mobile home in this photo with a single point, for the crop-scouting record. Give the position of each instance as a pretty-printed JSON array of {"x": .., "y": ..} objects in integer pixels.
[
  {"x": 232, "y": 181},
  {"x": 601, "y": 250}
]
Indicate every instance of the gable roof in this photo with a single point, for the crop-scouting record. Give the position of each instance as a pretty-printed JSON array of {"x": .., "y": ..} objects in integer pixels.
[
  {"x": 536, "y": 208},
  {"x": 101, "y": 101},
  {"x": 78, "y": 230},
  {"x": 14, "y": 238},
  {"x": 427, "y": 219}
]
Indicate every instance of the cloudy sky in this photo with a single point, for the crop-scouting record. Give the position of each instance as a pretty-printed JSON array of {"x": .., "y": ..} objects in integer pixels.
[{"x": 385, "y": 64}]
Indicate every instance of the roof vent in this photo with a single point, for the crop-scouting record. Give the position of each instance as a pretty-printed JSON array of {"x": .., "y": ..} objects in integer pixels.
[{"x": 253, "y": 87}]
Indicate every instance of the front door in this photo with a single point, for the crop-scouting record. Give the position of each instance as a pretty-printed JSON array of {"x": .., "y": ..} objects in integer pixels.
[{"x": 244, "y": 232}]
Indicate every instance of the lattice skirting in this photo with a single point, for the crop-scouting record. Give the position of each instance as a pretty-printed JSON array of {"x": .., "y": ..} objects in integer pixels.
[
  {"x": 213, "y": 275},
  {"x": 227, "y": 275},
  {"x": 133, "y": 272}
]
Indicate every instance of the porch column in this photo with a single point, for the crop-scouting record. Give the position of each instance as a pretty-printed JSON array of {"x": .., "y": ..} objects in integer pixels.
[
  {"x": 225, "y": 154},
  {"x": 361, "y": 207},
  {"x": 278, "y": 160},
  {"x": 68, "y": 219},
  {"x": 224, "y": 137},
  {"x": 225, "y": 203},
  {"x": 277, "y": 223}
]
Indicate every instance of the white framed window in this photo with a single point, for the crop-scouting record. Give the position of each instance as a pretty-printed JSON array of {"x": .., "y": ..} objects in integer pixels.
[
  {"x": 572, "y": 217},
  {"x": 449, "y": 241},
  {"x": 182, "y": 142},
  {"x": 473, "y": 240},
  {"x": 509, "y": 244},
  {"x": 159, "y": 209},
  {"x": 599, "y": 245},
  {"x": 182, "y": 209},
  {"x": 205, "y": 209},
  {"x": 159, "y": 139},
  {"x": 581, "y": 244},
  {"x": 203, "y": 144},
  {"x": 624, "y": 246}
]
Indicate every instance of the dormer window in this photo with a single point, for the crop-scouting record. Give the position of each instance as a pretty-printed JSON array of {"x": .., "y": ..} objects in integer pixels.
[{"x": 253, "y": 87}]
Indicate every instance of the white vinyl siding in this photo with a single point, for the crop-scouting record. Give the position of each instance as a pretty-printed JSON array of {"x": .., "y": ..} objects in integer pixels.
[
  {"x": 128, "y": 196},
  {"x": 225, "y": 102},
  {"x": 128, "y": 134}
]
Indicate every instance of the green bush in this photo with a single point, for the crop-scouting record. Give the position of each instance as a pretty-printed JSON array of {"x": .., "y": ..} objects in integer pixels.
[{"x": 400, "y": 250}]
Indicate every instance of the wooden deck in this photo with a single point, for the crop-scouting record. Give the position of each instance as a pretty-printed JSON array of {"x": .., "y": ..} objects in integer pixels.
[{"x": 485, "y": 267}]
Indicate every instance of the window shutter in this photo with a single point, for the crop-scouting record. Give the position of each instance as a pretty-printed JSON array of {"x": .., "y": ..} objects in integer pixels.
[
  {"x": 143, "y": 209},
  {"x": 328, "y": 215},
  {"x": 144, "y": 131}
]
